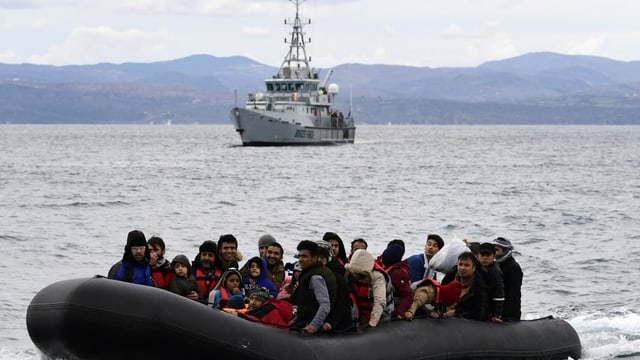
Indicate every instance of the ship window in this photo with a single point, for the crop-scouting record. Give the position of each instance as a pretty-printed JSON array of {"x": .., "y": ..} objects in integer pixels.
[
  {"x": 269, "y": 87},
  {"x": 291, "y": 87},
  {"x": 277, "y": 86},
  {"x": 299, "y": 86}
]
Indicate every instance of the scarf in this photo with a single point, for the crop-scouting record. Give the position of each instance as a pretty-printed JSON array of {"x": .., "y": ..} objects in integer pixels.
[
  {"x": 160, "y": 262},
  {"x": 506, "y": 255},
  {"x": 465, "y": 283}
]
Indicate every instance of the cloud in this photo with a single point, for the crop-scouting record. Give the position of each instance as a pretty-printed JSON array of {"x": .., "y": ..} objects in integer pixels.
[
  {"x": 9, "y": 57},
  {"x": 34, "y": 4},
  {"x": 193, "y": 7},
  {"x": 455, "y": 31},
  {"x": 40, "y": 23},
  {"x": 87, "y": 45},
  {"x": 389, "y": 30},
  {"x": 500, "y": 46},
  {"x": 154, "y": 6},
  {"x": 256, "y": 32},
  {"x": 591, "y": 46}
]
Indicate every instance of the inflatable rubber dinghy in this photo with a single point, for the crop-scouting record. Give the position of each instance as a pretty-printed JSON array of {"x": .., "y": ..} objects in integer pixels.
[{"x": 98, "y": 318}]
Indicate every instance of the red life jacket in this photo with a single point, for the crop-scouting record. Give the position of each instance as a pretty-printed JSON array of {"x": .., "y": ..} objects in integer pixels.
[
  {"x": 161, "y": 278},
  {"x": 361, "y": 293},
  {"x": 206, "y": 283},
  {"x": 275, "y": 313},
  {"x": 224, "y": 297},
  {"x": 361, "y": 296}
]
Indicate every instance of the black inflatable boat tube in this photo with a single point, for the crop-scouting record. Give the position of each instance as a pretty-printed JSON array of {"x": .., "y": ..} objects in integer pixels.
[{"x": 97, "y": 318}]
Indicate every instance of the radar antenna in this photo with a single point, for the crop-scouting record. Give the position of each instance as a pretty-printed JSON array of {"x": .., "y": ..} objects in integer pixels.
[{"x": 296, "y": 62}]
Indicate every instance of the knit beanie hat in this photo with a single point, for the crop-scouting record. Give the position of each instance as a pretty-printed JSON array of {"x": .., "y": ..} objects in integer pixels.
[
  {"x": 392, "y": 255},
  {"x": 396, "y": 242},
  {"x": 324, "y": 248},
  {"x": 209, "y": 246},
  {"x": 505, "y": 243},
  {"x": 266, "y": 240},
  {"x": 259, "y": 292},
  {"x": 136, "y": 238},
  {"x": 450, "y": 293}
]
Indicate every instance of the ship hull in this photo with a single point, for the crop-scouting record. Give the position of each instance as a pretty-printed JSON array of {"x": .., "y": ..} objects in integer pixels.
[{"x": 264, "y": 128}]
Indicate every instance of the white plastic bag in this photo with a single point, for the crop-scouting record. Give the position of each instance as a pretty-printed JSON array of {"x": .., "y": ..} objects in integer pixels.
[{"x": 447, "y": 257}]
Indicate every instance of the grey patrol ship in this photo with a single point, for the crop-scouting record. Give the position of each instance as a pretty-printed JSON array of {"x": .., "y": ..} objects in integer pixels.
[{"x": 297, "y": 108}]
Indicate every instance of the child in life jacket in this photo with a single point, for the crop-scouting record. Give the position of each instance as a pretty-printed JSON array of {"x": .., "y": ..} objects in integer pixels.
[
  {"x": 429, "y": 291},
  {"x": 228, "y": 291}
]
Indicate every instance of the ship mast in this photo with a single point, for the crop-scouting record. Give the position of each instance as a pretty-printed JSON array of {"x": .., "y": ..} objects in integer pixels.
[{"x": 296, "y": 62}]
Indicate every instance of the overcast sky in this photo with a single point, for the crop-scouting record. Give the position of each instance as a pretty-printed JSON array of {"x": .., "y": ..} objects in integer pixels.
[{"x": 433, "y": 33}]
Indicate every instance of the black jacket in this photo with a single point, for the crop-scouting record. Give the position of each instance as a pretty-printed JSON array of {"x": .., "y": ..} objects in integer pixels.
[
  {"x": 340, "y": 315},
  {"x": 475, "y": 303},
  {"x": 495, "y": 283},
  {"x": 512, "y": 288}
]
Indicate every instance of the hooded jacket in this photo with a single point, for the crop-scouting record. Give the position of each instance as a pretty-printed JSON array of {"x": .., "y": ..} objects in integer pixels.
[
  {"x": 261, "y": 280},
  {"x": 220, "y": 296},
  {"x": 184, "y": 285},
  {"x": 341, "y": 257},
  {"x": 130, "y": 270},
  {"x": 362, "y": 264}
]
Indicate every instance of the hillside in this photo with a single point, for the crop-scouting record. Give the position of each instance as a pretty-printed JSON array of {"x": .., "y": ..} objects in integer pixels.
[{"x": 534, "y": 88}]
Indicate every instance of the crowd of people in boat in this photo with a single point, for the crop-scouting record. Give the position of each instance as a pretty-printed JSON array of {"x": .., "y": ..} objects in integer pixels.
[{"x": 326, "y": 290}]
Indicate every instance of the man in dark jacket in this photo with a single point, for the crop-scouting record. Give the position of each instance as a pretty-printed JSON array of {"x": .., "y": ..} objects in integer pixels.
[
  {"x": 494, "y": 279},
  {"x": 134, "y": 266},
  {"x": 474, "y": 297},
  {"x": 340, "y": 317},
  {"x": 512, "y": 279},
  {"x": 316, "y": 292}
]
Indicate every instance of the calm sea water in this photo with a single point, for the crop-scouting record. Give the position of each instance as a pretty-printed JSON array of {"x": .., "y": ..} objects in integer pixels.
[{"x": 568, "y": 197}]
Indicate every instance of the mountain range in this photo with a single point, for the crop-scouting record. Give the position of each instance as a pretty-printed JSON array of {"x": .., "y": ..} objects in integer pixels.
[{"x": 535, "y": 88}]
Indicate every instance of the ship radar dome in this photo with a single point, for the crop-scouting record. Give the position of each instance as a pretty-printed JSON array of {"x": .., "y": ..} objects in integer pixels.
[{"x": 334, "y": 89}]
